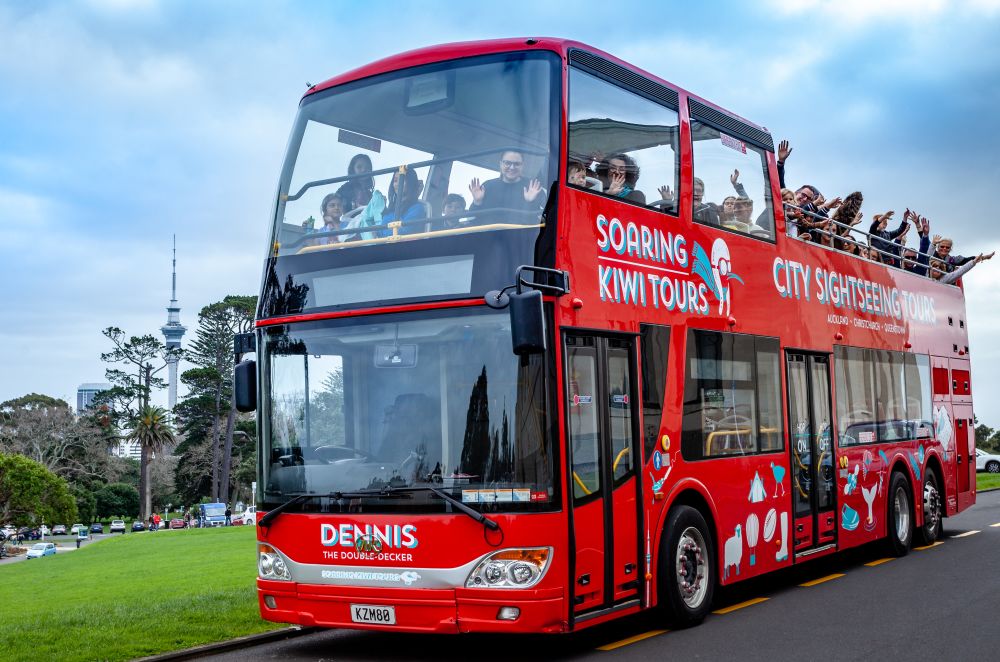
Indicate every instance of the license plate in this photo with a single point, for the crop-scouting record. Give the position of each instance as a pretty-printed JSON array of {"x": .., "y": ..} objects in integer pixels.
[{"x": 375, "y": 614}]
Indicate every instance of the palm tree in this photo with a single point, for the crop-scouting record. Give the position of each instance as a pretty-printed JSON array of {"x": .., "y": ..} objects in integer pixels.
[{"x": 154, "y": 433}]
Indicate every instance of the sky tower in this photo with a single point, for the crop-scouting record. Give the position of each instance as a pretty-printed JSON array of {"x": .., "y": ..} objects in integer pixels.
[{"x": 173, "y": 331}]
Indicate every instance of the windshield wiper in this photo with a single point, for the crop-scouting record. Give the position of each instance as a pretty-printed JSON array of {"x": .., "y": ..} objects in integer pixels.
[
  {"x": 471, "y": 512},
  {"x": 386, "y": 492}
]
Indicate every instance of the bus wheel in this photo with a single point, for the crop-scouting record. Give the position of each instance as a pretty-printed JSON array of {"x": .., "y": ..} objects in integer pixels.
[
  {"x": 931, "y": 530},
  {"x": 899, "y": 520},
  {"x": 687, "y": 567}
]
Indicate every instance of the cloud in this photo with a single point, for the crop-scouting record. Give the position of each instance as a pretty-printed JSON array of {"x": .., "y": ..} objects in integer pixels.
[
  {"x": 122, "y": 123},
  {"x": 861, "y": 12},
  {"x": 23, "y": 217}
]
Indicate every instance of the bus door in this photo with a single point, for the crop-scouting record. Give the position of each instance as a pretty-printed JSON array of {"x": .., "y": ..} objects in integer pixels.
[
  {"x": 602, "y": 437},
  {"x": 965, "y": 455},
  {"x": 812, "y": 458}
]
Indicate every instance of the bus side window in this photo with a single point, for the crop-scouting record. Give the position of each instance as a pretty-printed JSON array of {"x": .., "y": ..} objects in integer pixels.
[
  {"x": 655, "y": 345},
  {"x": 732, "y": 396},
  {"x": 731, "y": 184},
  {"x": 631, "y": 139},
  {"x": 919, "y": 414},
  {"x": 856, "y": 407}
]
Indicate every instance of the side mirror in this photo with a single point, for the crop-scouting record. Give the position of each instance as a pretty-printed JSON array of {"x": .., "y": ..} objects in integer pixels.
[
  {"x": 527, "y": 322},
  {"x": 245, "y": 386}
]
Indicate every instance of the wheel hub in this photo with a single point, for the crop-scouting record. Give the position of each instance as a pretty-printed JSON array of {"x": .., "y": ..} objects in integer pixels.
[
  {"x": 932, "y": 506},
  {"x": 902, "y": 508},
  {"x": 691, "y": 567}
]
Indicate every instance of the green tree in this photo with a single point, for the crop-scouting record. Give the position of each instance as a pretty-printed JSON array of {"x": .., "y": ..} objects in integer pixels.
[
  {"x": 142, "y": 357},
  {"x": 45, "y": 430},
  {"x": 153, "y": 433},
  {"x": 33, "y": 401},
  {"x": 212, "y": 350},
  {"x": 31, "y": 494},
  {"x": 117, "y": 499},
  {"x": 986, "y": 437},
  {"x": 86, "y": 503},
  {"x": 196, "y": 417}
]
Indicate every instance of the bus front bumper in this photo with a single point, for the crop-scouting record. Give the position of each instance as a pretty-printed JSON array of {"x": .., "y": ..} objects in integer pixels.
[{"x": 416, "y": 610}]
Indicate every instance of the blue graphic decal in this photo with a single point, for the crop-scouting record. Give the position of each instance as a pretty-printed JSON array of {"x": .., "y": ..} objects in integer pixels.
[
  {"x": 779, "y": 478},
  {"x": 849, "y": 519}
]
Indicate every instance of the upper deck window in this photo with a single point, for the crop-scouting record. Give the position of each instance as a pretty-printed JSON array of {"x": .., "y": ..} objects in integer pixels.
[
  {"x": 731, "y": 188},
  {"x": 626, "y": 142},
  {"x": 451, "y": 148}
]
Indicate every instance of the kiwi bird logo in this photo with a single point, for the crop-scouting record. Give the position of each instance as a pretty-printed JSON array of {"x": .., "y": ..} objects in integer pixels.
[{"x": 716, "y": 272}]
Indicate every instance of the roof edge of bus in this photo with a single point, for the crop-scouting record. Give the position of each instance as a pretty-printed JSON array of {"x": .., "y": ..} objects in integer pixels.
[
  {"x": 441, "y": 52},
  {"x": 460, "y": 49}
]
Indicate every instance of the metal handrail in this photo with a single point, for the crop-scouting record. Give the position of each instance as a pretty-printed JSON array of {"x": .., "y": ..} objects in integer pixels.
[{"x": 849, "y": 239}]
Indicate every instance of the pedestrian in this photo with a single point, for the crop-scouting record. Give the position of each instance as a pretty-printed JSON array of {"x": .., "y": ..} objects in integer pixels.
[{"x": 229, "y": 516}]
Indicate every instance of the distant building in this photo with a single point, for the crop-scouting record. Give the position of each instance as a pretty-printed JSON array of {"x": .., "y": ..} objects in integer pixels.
[
  {"x": 130, "y": 449},
  {"x": 85, "y": 395}
]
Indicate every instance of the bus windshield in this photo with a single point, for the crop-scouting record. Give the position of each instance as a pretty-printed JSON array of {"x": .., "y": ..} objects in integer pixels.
[
  {"x": 444, "y": 149},
  {"x": 433, "y": 398}
]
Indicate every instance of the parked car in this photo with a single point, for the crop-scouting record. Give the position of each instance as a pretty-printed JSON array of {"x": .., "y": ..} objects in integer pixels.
[
  {"x": 250, "y": 515},
  {"x": 117, "y": 526},
  {"x": 75, "y": 529},
  {"x": 987, "y": 462},
  {"x": 97, "y": 527},
  {"x": 44, "y": 530},
  {"x": 28, "y": 533},
  {"x": 59, "y": 530},
  {"x": 177, "y": 523},
  {"x": 138, "y": 526},
  {"x": 41, "y": 549},
  {"x": 8, "y": 530}
]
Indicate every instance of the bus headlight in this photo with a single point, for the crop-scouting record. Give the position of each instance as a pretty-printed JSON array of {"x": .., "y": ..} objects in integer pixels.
[
  {"x": 510, "y": 568},
  {"x": 270, "y": 565}
]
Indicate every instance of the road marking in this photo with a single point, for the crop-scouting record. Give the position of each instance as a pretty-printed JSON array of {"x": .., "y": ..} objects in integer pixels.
[
  {"x": 879, "y": 562},
  {"x": 814, "y": 582},
  {"x": 748, "y": 603},
  {"x": 962, "y": 535},
  {"x": 995, "y": 525},
  {"x": 631, "y": 640},
  {"x": 935, "y": 544}
]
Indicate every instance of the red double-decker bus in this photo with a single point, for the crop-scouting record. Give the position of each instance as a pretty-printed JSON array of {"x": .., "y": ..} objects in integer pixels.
[{"x": 534, "y": 351}]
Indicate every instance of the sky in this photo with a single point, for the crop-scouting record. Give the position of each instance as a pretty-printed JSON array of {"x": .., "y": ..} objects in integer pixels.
[{"x": 125, "y": 122}]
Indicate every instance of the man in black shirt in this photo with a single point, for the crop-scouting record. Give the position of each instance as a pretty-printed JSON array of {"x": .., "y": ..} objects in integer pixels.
[{"x": 510, "y": 191}]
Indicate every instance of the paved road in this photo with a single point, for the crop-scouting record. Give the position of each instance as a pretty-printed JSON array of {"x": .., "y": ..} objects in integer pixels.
[{"x": 939, "y": 603}]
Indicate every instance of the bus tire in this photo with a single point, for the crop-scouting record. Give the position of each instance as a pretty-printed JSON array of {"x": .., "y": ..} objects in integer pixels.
[
  {"x": 686, "y": 552},
  {"x": 899, "y": 516},
  {"x": 929, "y": 533}
]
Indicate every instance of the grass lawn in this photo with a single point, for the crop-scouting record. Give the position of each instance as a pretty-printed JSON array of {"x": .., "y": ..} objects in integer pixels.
[
  {"x": 131, "y": 596},
  {"x": 987, "y": 481}
]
